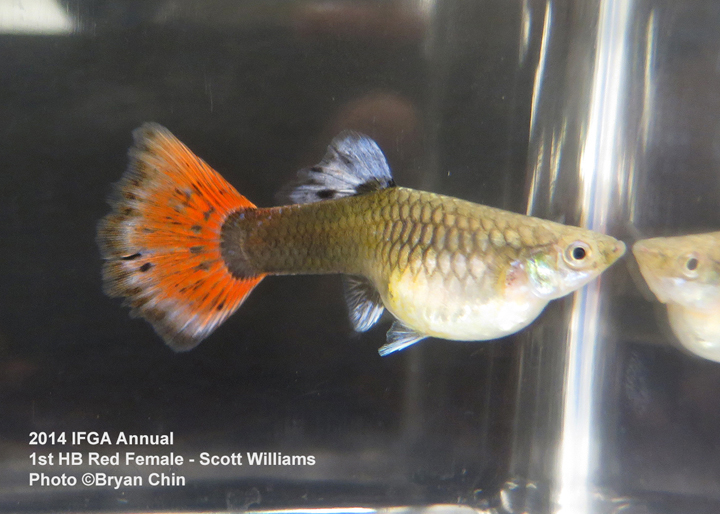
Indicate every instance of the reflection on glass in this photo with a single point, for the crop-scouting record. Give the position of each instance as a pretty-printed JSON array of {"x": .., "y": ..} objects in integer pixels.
[
  {"x": 684, "y": 273},
  {"x": 34, "y": 17}
]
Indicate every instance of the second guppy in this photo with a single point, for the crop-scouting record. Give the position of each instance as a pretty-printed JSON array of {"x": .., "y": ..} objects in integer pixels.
[
  {"x": 184, "y": 248},
  {"x": 684, "y": 273}
]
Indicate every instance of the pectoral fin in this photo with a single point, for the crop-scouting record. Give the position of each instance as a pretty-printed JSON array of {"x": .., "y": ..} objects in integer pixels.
[
  {"x": 399, "y": 336},
  {"x": 364, "y": 303}
]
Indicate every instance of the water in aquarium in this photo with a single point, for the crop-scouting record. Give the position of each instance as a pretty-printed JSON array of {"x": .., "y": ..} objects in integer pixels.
[{"x": 570, "y": 379}]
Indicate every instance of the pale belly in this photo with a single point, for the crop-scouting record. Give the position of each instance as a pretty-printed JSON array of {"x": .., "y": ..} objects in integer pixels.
[
  {"x": 461, "y": 310},
  {"x": 697, "y": 330}
]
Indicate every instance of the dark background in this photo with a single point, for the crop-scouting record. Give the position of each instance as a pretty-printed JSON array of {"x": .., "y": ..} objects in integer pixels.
[{"x": 258, "y": 89}]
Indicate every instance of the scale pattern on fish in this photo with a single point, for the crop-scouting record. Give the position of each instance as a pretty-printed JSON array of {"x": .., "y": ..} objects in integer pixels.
[{"x": 184, "y": 248}]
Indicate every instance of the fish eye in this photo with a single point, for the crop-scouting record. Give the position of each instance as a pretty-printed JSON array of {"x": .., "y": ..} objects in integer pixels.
[
  {"x": 690, "y": 265},
  {"x": 577, "y": 254}
]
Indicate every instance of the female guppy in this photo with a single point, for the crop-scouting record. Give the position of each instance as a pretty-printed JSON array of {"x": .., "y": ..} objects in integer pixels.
[
  {"x": 684, "y": 273},
  {"x": 185, "y": 249}
]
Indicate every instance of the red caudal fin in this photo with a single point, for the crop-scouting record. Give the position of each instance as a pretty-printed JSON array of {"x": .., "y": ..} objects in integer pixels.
[{"x": 161, "y": 242}]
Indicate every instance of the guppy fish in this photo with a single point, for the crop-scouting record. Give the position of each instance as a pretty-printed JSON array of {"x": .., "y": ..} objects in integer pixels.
[
  {"x": 684, "y": 273},
  {"x": 184, "y": 248}
]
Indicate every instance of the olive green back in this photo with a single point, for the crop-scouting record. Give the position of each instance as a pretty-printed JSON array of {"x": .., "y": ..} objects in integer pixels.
[{"x": 376, "y": 233}]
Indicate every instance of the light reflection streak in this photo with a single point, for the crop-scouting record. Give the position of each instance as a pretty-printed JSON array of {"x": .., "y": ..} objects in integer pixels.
[
  {"x": 331, "y": 510},
  {"x": 439, "y": 508},
  {"x": 649, "y": 82},
  {"x": 525, "y": 26},
  {"x": 646, "y": 116},
  {"x": 600, "y": 156},
  {"x": 558, "y": 142},
  {"x": 537, "y": 92},
  {"x": 37, "y": 17},
  {"x": 540, "y": 71},
  {"x": 536, "y": 173}
]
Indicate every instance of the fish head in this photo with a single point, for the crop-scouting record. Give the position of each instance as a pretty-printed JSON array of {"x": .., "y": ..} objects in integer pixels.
[
  {"x": 570, "y": 261},
  {"x": 683, "y": 270}
]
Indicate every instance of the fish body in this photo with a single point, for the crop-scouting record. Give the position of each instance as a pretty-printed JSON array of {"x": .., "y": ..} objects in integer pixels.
[
  {"x": 683, "y": 272},
  {"x": 443, "y": 267}
]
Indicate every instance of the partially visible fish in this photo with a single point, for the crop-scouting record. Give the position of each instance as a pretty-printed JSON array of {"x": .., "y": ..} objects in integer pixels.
[
  {"x": 185, "y": 249},
  {"x": 684, "y": 273}
]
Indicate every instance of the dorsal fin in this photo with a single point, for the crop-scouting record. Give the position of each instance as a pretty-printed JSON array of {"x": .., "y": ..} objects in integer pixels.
[{"x": 353, "y": 164}]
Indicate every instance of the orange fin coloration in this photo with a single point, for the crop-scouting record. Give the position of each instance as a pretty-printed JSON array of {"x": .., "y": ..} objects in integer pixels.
[{"x": 161, "y": 242}]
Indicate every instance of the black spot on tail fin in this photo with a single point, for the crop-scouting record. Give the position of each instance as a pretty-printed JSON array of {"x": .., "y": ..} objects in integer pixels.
[
  {"x": 161, "y": 242},
  {"x": 353, "y": 164}
]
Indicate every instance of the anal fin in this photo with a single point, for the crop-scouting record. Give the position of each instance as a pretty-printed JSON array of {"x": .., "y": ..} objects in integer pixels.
[
  {"x": 399, "y": 337},
  {"x": 364, "y": 303}
]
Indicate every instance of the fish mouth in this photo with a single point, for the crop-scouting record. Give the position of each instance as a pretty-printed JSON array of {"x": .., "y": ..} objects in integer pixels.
[
  {"x": 644, "y": 256},
  {"x": 616, "y": 251},
  {"x": 639, "y": 249},
  {"x": 619, "y": 249}
]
